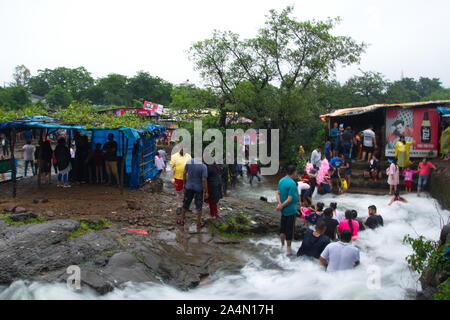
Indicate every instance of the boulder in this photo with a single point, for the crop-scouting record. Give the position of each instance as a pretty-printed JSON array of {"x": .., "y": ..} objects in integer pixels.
[
  {"x": 9, "y": 208},
  {"x": 22, "y": 217},
  {"x": 20, "y": 210}
]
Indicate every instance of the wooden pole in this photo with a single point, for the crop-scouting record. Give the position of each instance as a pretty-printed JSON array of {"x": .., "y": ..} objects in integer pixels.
[{"x": 12, "y": 146}]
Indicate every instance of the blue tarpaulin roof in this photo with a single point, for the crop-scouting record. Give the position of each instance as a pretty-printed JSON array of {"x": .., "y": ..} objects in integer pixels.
[
  {"x": 443, "y": 110},
  {"x": 99, "y": 135}
]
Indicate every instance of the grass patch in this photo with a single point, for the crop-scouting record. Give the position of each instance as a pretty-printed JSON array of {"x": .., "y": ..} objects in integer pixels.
[
  {"x": 7, "y": 218},
  {"x": 235, "y": 226},
  {"x": 89, "y": 226}
]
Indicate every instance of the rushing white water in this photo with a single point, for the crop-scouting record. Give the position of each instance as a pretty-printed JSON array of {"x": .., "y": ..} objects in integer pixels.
[{"x": 298, "y": 278}]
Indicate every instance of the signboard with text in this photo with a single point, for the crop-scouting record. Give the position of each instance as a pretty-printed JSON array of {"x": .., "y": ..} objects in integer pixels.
[{"x": 419, "y": 125}]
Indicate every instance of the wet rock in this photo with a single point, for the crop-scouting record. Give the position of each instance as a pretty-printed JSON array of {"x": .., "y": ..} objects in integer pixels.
[
  {"x": 124, "y": 267},
  {"x": 154, "y": 186},
  {"x": 22, "y": 217},
  {"x": 97, "y": 280},
  {"x": 9, "y": 208},
  {"x": 50, "y": 213},
  {"x": 133, "y": 205},
  {"x": 19, "y": 210},
  {"x": 28, "y": 250}
]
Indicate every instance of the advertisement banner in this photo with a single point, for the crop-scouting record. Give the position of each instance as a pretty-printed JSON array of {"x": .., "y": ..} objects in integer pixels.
[
  {"x": 419, "y": 125},
  {"x": 155, "y": 109}
]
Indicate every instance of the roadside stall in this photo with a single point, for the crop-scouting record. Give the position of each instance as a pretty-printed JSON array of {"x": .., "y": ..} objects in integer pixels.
[
  {"x": 417, "y": 121},
  {"x": 136, "y": 148}
]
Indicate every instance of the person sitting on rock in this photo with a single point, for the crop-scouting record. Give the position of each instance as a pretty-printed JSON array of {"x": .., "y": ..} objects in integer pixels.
[{"x": 314, "y": 242}]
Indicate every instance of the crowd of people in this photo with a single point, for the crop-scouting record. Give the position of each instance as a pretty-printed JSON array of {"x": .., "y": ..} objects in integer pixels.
[
  {"x": 73, "y": 162},
  {"x": 344, "y": 146},
  {"x": 331, "y": 232},
  {"x": 204, "y": 183}
]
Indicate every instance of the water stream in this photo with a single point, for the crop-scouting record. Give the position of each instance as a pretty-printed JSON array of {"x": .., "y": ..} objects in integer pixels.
[{"x": 382, "y": 252}]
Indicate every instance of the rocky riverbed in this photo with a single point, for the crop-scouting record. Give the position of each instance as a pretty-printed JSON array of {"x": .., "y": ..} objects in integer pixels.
[{"x": 40, "y": 238}]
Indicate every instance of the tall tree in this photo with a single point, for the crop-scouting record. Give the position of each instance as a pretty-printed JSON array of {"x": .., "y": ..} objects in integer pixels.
[
  {"x": 368, "y": 88},
  {"x": 115, "y": 89},
  {"x": 274, "y": 71},
  {"x": 21, "y": 76},
  {"x": 145, "y": 87},
  {"x": 76, "y": 81},
  {"x": 58, "y": 97}
]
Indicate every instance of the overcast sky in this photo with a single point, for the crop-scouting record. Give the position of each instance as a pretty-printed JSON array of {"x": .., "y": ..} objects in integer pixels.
[{"x": 124, "y": 36}]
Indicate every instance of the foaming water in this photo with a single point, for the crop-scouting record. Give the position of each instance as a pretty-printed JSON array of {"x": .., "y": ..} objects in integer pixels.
[{"x": 381, "y": 250}]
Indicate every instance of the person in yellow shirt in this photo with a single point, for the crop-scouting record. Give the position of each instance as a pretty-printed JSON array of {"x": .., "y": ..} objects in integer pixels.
[
  {"x": 402, "y": 149},
  {"x": 178, "y": 162}
]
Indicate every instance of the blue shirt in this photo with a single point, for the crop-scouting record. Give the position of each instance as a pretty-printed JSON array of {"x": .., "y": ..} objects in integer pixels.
[
  {"x": 336, "y": 162},
  {"x": 287, "y": 187},
  {"x": 334, "y": 134},
  {"x": 196, "y": 172}
]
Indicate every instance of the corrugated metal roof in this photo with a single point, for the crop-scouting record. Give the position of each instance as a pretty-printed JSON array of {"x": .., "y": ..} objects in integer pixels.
[{"x": 361, "y": 110}]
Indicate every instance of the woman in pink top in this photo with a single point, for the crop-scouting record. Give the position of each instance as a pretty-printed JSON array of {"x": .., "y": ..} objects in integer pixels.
[
  {"x": 349, "y": 224},
  {"x": 424, "y": 172}
]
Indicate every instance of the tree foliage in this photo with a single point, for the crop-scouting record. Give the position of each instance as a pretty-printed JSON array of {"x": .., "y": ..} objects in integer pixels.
[{"x": 269, "y": 78}]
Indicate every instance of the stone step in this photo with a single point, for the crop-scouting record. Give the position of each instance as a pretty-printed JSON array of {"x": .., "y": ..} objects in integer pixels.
[{"x": 370, "y": 191}]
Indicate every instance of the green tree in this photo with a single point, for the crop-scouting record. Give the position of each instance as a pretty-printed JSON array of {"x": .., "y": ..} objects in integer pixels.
[
  {"x": 366, "y": 89},
  {"x": 426, "y": 86},
  {"x": 115, "y": 92},
  {"x": 58, "y": 97},
  {"x": 76, "y": 81},
  {"x": 21, "y": 76},
  {"x": 269, "y": 77},
  {"x": 404, "y": 90},
  {"x": 145, "y": 87},
  {"x": 189, "y": 98},
  {"x": 14, "y": 97}
]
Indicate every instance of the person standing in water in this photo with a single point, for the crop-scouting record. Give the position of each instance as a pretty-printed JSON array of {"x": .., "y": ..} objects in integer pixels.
[
  {"x": 331, "y": 224},
  {"x": 287, "y": 199},
  {"x": 349, "y": 224},
  {"x": 341, "y": 255},
  {"x": 314, "y": 242},
  {"x": 374, "y": 220}
]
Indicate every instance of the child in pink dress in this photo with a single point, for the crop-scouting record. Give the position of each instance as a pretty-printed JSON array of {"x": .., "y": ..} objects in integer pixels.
[{"x": 408, "y": 174}]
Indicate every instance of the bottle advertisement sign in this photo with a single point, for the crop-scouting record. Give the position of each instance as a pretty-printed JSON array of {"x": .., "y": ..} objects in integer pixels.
[{"x": 419, "y": 125}]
